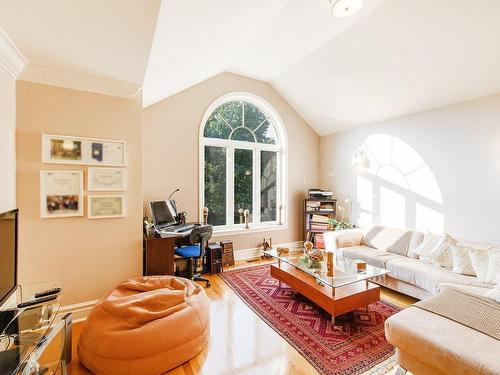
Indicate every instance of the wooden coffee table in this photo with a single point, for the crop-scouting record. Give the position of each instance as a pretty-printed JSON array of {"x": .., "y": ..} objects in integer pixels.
[{"x": 346, "y": 291}]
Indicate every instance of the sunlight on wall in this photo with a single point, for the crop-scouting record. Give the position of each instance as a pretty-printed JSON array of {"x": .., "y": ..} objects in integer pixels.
[
  {"x": 395, "y": 161},
  {"x": 429, "y": 219},
  {"x": 392, "y": 208},
  {"x": 364, "y": 195},
  {"x": 395, "y": 186}
]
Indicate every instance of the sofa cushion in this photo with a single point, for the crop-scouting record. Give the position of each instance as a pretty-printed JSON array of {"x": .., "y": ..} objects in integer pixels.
[
  {"x": 435, "y": 249},
  {"x": 462, "y": 263},
  {"x": 441, "y": 343},
  {"x": 393, "y": 240},
  {"x": 416, "y": 240},
  {"x": 373, "y": 257},
  {"x": 426, "y": 276}
]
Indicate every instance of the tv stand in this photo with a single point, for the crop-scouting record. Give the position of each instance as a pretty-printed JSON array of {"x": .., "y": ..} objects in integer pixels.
[{"x": 35, "y": 337}]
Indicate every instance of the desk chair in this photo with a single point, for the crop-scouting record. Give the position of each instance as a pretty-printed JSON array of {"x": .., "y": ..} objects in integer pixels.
[{"x": 198, "y": 240}]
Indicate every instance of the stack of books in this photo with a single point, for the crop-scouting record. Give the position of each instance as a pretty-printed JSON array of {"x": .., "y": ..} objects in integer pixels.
[{"x": 319, "y": 223}]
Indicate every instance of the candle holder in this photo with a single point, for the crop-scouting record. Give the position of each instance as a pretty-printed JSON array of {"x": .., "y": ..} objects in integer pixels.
[{"x": 246, "y": 213}]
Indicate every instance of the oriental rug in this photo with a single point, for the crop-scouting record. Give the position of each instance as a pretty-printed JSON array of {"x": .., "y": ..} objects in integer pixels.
[{"x": 355, "y": 345}]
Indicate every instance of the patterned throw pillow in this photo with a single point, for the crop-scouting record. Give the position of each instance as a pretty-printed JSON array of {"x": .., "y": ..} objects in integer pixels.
[
  {"x": 493, "y": 276},
  {"x": 435, "y": 250},
  {"x": 480, "y": 259},
  {"x": 462, "y": 262}
]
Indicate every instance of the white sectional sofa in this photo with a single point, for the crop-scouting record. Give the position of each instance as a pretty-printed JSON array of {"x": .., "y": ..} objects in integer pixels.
[
  {"x": 426, "y": 343},
  {"x": 392, "y": 249}
]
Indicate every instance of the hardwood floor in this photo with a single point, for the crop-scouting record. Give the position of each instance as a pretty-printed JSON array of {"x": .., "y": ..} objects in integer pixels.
[{"x": 240, "y": 342}]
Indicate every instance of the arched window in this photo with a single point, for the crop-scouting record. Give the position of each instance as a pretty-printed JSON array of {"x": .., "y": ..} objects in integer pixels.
[{"x": 242, "y": 162}]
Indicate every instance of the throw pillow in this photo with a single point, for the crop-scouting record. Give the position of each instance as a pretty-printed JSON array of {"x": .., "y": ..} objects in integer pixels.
[
  {"x": 494, "y": 267},
  {"x": 435, "y": 250},
  {"x": 462, "y": 262},
  {"x": 480, "y": 259},
  {"x": 494, "y": 293}
]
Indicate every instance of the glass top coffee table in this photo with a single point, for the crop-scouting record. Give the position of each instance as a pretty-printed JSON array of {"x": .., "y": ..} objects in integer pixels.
[{"x": 347, "y": 290}]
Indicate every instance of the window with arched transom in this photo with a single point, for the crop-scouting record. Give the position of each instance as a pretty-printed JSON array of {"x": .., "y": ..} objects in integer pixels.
[{"x": 241, "y": 160}]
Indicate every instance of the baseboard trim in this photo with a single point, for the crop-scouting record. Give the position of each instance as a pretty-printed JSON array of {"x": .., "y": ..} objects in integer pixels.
[
  {"x": 82, "y": 309},
  {"x": 79, "y": 311},
  {"x": 254, "y": 253}
]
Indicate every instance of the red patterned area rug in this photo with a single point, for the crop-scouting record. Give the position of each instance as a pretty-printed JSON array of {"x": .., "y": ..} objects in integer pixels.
[{"x": 355, "y": 345}]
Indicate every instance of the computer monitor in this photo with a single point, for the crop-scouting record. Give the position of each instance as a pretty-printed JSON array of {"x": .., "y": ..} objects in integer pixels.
[{"x": 164, "y": 213}]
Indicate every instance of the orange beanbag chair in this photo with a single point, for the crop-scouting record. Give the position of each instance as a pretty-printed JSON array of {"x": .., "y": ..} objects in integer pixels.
[{"x": 146, "y": 325}]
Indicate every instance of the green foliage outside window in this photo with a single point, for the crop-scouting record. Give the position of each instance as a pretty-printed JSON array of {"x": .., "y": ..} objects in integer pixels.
[{"x": 239, "y": 121}]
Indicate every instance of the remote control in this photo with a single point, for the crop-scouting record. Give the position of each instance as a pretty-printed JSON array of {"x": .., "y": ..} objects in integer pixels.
[
  {"x": 48, "y": 292},
  {"x": 36, "y": 301}
]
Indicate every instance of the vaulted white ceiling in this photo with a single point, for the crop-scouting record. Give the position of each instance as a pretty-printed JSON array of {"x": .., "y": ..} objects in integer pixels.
[{"x": 392, "y": 58}]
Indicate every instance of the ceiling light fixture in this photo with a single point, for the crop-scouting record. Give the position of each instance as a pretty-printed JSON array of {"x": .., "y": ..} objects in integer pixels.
[{"x": 345, "y": 8}]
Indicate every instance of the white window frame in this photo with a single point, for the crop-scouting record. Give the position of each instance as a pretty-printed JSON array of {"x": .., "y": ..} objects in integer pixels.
[{"x": 230, "y": 146}]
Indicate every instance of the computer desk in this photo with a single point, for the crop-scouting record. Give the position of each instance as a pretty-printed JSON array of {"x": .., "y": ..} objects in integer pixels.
[{"x": 159, "y": 253}]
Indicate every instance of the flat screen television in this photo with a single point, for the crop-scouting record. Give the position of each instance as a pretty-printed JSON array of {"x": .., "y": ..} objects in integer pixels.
[{"x": 8, "y": 254}]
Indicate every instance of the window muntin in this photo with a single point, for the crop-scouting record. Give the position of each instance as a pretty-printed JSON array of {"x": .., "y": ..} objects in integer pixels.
[
  {"x": 253, "y": 151},
  {"x": 240, "y": 121}
]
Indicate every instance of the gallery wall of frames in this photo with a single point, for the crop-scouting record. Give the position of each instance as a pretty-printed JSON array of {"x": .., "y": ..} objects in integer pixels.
[{"x": 62, "y": 192}]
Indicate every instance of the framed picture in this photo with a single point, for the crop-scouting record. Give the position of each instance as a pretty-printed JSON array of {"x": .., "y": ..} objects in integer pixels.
[
  {"x": 106, "y": 152},
  {"x": 106, "y": 179},
  {"x": 106, "y": 206},
  {"x": 61, "y": 193},
  {"x": 64, "y": 149}
]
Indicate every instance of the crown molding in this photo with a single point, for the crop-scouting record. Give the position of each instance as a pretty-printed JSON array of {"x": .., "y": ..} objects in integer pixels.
[
  {"x": 11, "y": 59},
  {"x": 79, "y": 81}
]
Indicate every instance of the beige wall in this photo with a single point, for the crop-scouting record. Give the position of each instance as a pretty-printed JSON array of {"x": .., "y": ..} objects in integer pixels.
[
  {"x": 7, "y": 141},
  {"x": 87, "y": 256},
  {"x": 171, "y": 141},
  {"x": 461, "y": 146}
]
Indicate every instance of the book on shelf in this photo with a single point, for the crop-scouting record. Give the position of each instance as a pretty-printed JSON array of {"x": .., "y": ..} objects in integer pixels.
[
  {"x": 319, "y": 241},
  {"x": 320, "y": 219},
  {"x": 319, "y": 227}
]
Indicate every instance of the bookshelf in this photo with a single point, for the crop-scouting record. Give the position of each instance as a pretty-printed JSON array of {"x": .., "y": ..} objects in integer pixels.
[{"x": 317, "y": 213}]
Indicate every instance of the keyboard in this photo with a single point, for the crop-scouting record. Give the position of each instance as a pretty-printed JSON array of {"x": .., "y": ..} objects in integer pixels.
[
  {"x": 178, "y": 228},
  {"x": 183, "y": 227}
]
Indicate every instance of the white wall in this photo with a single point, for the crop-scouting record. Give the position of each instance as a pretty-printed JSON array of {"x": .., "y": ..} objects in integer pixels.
[
  {"x": 7, "y": 141},
  {"x": 456, "y": 150},
  {"x": 171, "y": 136}
]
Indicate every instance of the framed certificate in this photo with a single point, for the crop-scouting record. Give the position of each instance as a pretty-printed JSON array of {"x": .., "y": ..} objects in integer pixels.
[
  {"x": 106, "y": 206},
  {"x": 106, "y": 179},
  {"x": 61, "y": 193},
  {"x": 62, "y": 149}
]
